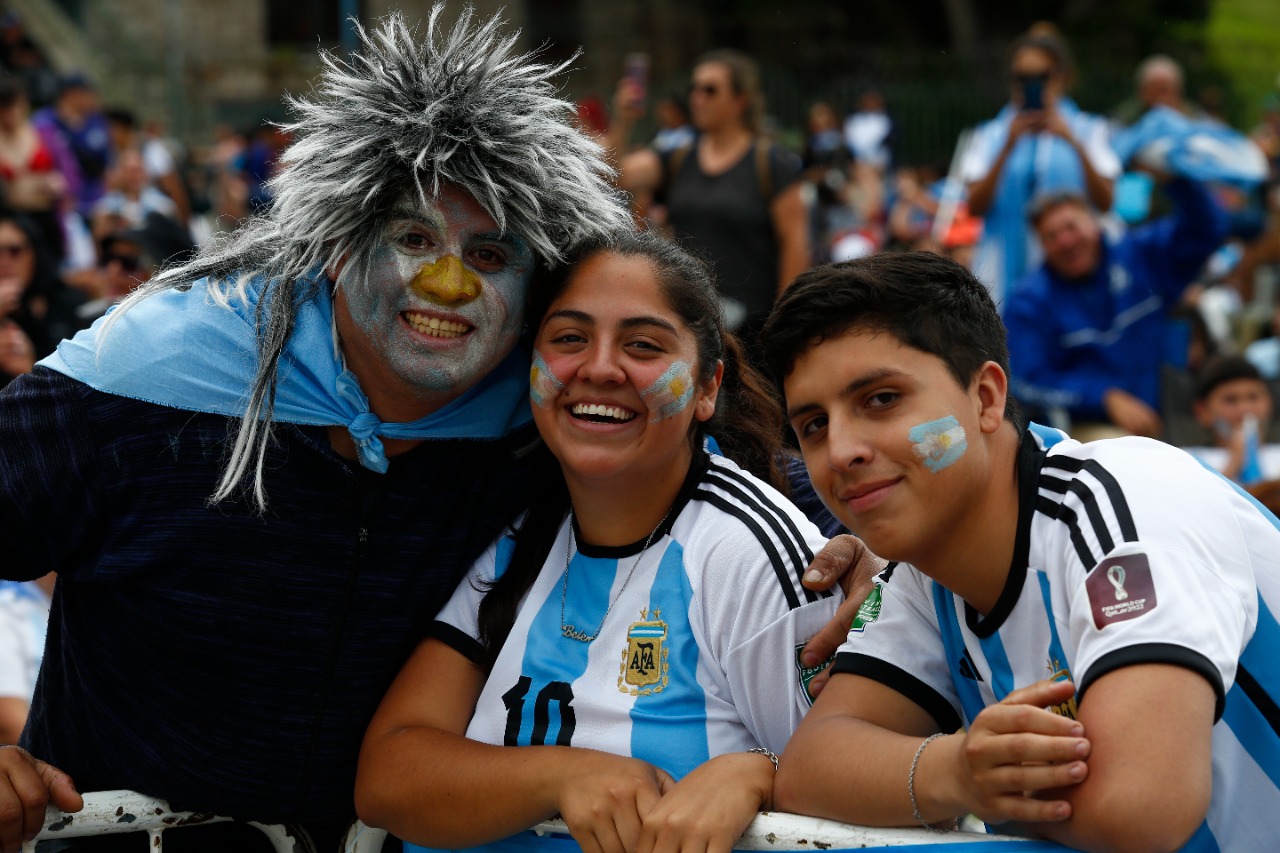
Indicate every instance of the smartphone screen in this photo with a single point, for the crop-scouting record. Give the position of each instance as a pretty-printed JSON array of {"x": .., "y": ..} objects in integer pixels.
[
  {"x": 636, "y": 69},
  {"x": 1032, "y": 93}
]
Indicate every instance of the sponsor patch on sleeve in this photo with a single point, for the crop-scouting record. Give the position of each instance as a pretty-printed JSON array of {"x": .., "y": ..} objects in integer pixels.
[
  {"x": 1121, "y": 588},
  {"x": 869, "y": 611}
]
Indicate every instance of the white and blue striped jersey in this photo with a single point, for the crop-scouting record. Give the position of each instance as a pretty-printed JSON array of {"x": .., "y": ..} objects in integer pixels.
[
  {"x": 698, "y": 655},
  {"x": 1128, "y": 551}
]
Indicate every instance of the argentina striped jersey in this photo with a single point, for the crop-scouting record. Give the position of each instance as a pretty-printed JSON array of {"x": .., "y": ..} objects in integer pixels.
[
  {"x": 698, "y": 654},
  {"x": 1128, "y": 552}
]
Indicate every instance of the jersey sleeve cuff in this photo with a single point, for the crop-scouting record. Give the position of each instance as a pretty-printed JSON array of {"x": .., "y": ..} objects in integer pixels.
[
  {"x": 902, "y": 681},
  {"x": 460, "y": 641},
  {"x": 1158, "y": 653}
]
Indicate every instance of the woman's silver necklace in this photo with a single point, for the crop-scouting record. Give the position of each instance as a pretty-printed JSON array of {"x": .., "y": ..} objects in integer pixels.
[{"x": 570, "y": 631}]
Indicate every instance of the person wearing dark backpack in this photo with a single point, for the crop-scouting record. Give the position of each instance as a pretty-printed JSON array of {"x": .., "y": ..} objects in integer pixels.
[{"x": 732, "y": 195}]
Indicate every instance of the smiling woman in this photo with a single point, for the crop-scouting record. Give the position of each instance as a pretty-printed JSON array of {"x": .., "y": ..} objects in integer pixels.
[{"x": 594, "y": 666}]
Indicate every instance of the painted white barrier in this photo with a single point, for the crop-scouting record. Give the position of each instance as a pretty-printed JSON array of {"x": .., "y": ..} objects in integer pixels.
[
  {"x": 126, "y": 811},
  {"x": 776, "y": 831},
  {"x": 108, "y": 812}
]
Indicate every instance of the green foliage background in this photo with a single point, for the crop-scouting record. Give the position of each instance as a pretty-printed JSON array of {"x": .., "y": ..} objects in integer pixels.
[{"x": 1242, "y": 38}]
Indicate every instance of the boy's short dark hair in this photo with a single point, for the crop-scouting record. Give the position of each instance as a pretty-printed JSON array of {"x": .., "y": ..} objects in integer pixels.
[
  {"x": 1223, "y": 369},
  {"x": 926, "y": 301}
]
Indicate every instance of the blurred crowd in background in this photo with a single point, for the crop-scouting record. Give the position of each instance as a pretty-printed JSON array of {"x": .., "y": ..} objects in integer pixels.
[
  {"x": 93, "y": 200},
  {"x": 1135, "y": 255}
]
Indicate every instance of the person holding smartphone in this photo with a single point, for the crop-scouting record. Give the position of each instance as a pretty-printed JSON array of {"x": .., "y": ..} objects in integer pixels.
[{"x": 1039, "y": 142}]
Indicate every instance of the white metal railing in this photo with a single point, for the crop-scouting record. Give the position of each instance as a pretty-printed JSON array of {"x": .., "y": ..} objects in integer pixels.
[
  {"x": 778, "y": 831},
  {"x": 126, "y": 811}
]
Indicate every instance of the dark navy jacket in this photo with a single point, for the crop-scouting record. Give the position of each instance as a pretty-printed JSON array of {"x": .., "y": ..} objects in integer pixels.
[
  {"x": 165, "y": 603},
  {"x": 1069, "y": 341}
]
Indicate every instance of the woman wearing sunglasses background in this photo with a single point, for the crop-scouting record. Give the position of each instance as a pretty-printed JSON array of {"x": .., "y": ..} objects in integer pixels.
[{"x": 732, "y": 195}]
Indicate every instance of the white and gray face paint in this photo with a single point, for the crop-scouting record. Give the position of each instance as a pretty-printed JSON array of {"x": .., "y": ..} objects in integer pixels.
[{"x": 440, "y": 302}]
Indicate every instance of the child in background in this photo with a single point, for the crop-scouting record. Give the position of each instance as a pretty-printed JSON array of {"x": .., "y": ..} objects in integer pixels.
[{"x": 1234, "y": 403}]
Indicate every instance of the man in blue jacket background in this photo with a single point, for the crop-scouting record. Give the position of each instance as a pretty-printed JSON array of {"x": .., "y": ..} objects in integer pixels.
[{"x": 1088, "y": 328}]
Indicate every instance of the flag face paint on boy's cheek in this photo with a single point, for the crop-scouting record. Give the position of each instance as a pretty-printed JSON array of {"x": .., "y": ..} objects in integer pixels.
[
  {"x": 671, "y": 393},
  {"x": 939, "y": 443},
  {"x": 543, "y": 384}
]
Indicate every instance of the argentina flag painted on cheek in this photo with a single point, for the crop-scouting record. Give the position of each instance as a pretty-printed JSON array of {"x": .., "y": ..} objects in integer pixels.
[
  {"x": 543, "y": 384},
  {"x": 939, "y": 443},
  {"x": 671, "y": 393}
]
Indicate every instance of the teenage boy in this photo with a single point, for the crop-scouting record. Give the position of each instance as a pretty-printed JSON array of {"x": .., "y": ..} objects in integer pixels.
[{"x": 1078, "y": 639}]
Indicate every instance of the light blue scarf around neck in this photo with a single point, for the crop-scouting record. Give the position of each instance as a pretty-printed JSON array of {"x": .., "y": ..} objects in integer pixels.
[{"x": 179, "y": 348}]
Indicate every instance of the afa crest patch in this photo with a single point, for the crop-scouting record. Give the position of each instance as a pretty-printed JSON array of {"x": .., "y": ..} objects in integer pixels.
[
  {"x": 644, "y": 660},
  {"x": 1059, "y": 672}
]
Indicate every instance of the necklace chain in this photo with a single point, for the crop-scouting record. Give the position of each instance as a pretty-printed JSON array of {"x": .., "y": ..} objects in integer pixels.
[{"x": 569, "y": 630}]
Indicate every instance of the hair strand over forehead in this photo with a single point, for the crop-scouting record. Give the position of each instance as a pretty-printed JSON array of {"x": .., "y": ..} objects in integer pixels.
[{"x": 395, "y": 121}]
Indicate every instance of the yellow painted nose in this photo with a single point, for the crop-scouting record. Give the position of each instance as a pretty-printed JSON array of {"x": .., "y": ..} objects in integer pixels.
[{"x": 446, "y": 282}]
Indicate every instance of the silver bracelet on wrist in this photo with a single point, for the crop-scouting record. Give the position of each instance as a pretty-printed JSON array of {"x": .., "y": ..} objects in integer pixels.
[
  {"x": 911, "y": 785},
  {"x": 760, "y": 750}
]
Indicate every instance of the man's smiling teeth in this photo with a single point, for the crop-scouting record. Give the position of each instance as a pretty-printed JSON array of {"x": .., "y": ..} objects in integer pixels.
[
  {"x": 437, "y": 328},
  {"x": 595, "y": 409}
]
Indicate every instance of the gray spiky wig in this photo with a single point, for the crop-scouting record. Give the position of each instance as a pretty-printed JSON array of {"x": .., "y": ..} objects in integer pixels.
[{"x": 403, "y": 115}]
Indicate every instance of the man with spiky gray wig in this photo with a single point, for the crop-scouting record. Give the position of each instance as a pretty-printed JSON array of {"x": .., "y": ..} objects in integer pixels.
[{"x": 260, "y": 477}]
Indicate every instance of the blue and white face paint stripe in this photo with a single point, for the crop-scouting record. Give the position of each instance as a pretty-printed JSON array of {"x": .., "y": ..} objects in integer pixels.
[
  {"x": 671, "y": 393},
  {"x": 543, "y": 384},
  {"x": 939, "y": 443}
]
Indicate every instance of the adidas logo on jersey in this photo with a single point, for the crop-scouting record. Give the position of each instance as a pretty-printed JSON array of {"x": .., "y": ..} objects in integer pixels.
[{"x": 968, "y": 668}]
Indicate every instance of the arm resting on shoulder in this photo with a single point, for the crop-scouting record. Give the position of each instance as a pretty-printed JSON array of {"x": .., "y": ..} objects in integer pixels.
[{"x": 848, "y": 561}]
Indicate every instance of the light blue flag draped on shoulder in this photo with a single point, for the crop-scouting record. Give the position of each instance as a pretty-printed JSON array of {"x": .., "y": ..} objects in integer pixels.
[
  {"x": 179, "y": 348},
  {"x": 1199, "y": 149}
]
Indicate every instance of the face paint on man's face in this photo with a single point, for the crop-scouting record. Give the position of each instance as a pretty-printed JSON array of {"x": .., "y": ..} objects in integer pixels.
[
  {"x": 544, "y": 386},
  {"x": 939, "y": 443},
  {"x": 440, "y": 303},
  {"x": 671, "y": 393}
]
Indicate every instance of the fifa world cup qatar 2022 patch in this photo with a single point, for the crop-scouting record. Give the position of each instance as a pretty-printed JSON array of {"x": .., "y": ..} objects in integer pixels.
[{"x": 1121, "y": 588}]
